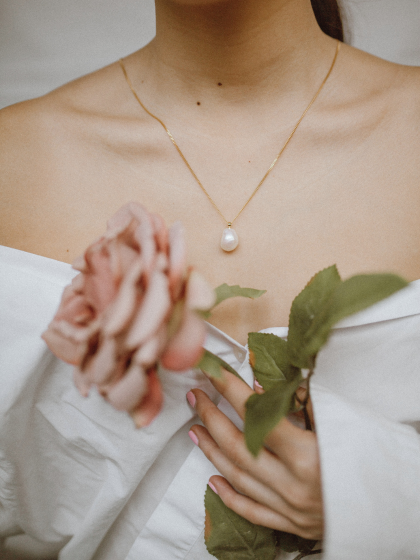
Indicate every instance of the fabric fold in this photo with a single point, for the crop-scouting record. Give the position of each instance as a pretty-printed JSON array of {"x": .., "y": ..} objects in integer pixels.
[{"x": 370, "y": 469}]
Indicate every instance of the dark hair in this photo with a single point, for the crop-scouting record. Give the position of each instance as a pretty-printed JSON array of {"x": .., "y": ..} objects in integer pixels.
[{"x": 327, "y": 13}]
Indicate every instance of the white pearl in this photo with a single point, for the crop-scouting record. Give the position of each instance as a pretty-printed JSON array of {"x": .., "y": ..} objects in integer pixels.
[{"x": 229, "y": 240}]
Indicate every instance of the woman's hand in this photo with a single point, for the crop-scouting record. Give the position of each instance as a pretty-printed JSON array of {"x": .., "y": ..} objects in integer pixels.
[{"x": 281, "y": 488}]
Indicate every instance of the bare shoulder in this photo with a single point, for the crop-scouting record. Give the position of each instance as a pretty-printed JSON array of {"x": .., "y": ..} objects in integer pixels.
[
  {"x": 408, "y": 89},
  {"x": 382, "y": 99},
  {"x": 37, "y": 127},
  {"x": 28, "y": 132},
  {"x": 403, "y": 114},
  {"x": 396, "y": 85},
  {"x": 48, "y": 150}
]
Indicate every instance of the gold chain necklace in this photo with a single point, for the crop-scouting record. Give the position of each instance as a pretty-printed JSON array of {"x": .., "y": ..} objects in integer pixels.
[{"x": 230, "y": 238}]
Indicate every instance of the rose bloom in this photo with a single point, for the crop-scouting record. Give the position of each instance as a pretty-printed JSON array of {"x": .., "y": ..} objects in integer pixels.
[{"x": 133, "y": 304}]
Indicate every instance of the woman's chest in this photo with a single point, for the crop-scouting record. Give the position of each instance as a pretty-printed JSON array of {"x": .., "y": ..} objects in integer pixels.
[{"x": 355, "y": 207}]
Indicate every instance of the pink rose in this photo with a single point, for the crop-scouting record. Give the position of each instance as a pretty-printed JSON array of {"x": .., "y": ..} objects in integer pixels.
[{"x": 132, "y": 305}]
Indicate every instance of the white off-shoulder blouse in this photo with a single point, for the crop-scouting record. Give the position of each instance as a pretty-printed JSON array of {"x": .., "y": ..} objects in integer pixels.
[{"x": 76, "y": 474}]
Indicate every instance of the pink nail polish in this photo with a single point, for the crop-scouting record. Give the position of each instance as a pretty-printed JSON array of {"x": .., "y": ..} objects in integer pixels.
[
  {"x": 193, "y": 437},
  {"x": 257, "y": 384},
  {"x": 191, "y": 399},
  {"x": 212, "y": 486}
]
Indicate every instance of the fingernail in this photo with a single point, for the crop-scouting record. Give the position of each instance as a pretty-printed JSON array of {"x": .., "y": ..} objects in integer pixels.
[
  {"x": 258, "y": 384},
  {"x": 213, "y": 487},
  {"x": 191, "y": 399},
  {"x": 193, "y": 437}
]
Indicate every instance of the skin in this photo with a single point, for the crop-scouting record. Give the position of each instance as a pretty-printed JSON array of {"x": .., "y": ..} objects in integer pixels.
[
  {"x": 279, "y": 488},
  {"x": 345, "y": 191}
]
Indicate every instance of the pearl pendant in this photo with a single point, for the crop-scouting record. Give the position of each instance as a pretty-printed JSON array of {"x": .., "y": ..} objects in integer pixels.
[{"x": 229, "y": 240}]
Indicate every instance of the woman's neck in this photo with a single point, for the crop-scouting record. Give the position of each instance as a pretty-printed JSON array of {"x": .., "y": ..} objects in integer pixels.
[{"x": 236, "y": 52}]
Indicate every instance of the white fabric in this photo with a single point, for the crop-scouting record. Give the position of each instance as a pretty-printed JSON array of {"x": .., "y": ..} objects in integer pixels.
[
  {"x": 74, "y": 473},
  {"x": 45, "y": 43}
]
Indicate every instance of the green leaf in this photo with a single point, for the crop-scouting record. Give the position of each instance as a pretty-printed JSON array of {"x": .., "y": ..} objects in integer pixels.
[
  {"x": 305, "y": 308},
  {"x": 228, "y": 536},
  {"x": 292, "y": 543},
  {"x": 264, "y": 365},
  {"x": 353, "y": 295},
  {"x": 212, "y": 365},
  {"x": 264, "y": 412},
  {"x": 269, "y": 360},
  {"x": 226, "y": 292}
]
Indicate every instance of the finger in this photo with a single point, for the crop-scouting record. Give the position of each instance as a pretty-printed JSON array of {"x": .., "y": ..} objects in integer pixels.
[
  {"x": 150, "y": 406},
  {"x": 295, "y": 447},
  {"x": 295, "y": 480},
  {"x": 226, "y": 435},
  {"x": 231, "y": 442},
  {"x": 241, "y": 480},
  {"x": 255, "y": 512},
  {"x": 258, "y": 388},
  {"x": 286, "y": 440},
  {"x": 235, "y": 391}
]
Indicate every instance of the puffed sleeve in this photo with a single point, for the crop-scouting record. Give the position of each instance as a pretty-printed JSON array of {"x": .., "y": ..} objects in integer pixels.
[
  {"x": 28, "y": 299},
  {"x": 8, "y": 522},
  {"x": 371, "y": 481}
]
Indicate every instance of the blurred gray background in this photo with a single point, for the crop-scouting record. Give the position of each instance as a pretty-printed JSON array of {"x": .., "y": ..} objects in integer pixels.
[{"x": 45, "y": 43}]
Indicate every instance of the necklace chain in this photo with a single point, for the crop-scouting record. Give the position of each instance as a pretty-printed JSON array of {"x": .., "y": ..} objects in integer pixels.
[{"x": 168, "y": 132}]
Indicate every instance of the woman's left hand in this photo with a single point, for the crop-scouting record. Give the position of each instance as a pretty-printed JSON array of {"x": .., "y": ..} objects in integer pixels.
[{"x": 281, "y": 487}]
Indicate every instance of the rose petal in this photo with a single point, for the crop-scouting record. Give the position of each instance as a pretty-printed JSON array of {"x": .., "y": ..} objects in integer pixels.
[
  {"x": 124, "y": 306},
  {"x": 177, "y": 258},
  {"x": 161, "y": 262},
  {"x": 150, "y": 406},
  {"x": 74, "y": 309},
  {"x": 186, "y": 346},
  {"x": 145, "y": 238},
  {"x": 130, "y": 390},
  {"x": 69, "y": 342},
  {"x": 154, "y": 308},
  {"x": 143, "y": 234},
  {"x": 139, "y": 212},
  {"x": 77, "y": 284},
  {"x": 79, "y": 264},
  {"x": 161, "y": 233},
  {"x": 116, "y": 375},
  {"x": 121, "y": 257},
  {"x": 100, "y": 287},
  {"x": 119, "y": 221},
  {"x": 68, "y": 350},
  {"x": 81, "y": 383},
  {"x": 104, "y": 363},
  {"x": 75, "y": 333},
  {"x": 148, "y": 353},
  {"x": 68, "y": 293},
  {"x": 78, "y": 313}
]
